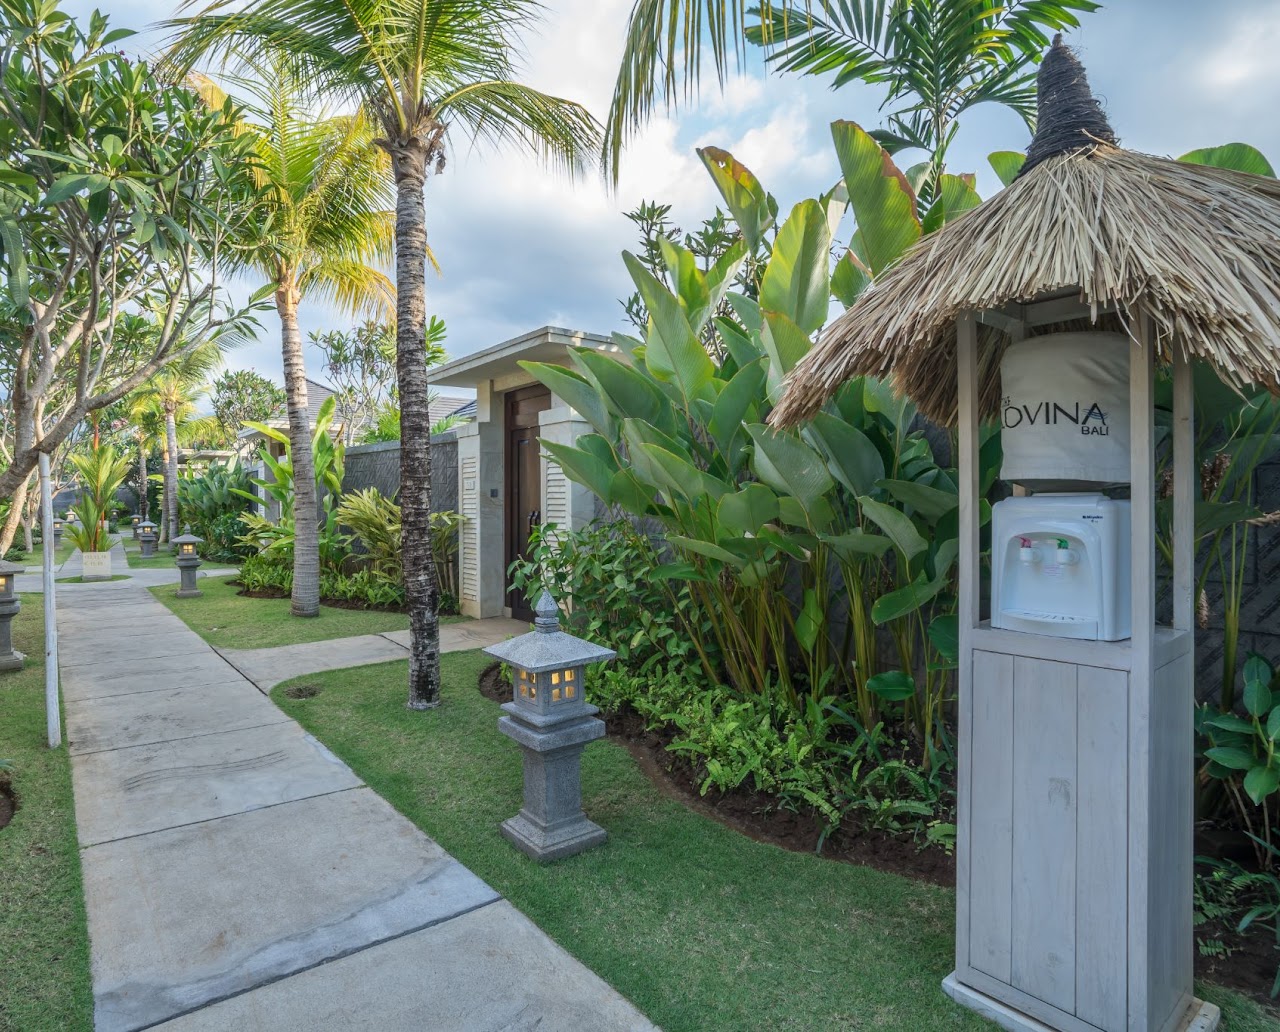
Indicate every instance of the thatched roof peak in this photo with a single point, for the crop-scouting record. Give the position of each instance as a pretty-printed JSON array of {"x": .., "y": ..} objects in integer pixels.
[
  {"x": 1196, "y": 248},
  {"x": 1069, "y": 117}
]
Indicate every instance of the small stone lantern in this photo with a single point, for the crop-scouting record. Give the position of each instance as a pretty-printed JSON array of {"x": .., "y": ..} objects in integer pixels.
[
  {"x": 9, "y": 606},
  {"x": 57, "y": 532},
  {"x": 147, "y": 538},
  {"x": 552, "y": 723},
  {"x": 188, "y": 562},
  {"x": 135, "y": 519}
]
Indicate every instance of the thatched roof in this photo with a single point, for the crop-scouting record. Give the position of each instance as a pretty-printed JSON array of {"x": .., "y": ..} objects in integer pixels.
[{"x": 1198, "y": 248}]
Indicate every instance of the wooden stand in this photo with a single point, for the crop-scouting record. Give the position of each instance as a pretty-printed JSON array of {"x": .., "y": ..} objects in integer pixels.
[{"x": 1075, "y": 807}]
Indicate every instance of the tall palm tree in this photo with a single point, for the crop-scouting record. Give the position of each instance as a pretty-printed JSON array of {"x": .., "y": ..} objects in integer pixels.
[
  {"x": 936, "y": 58},
  {"x": 173, "y": 393},
  {"x": 423, "y": 69},
  {"x": 327, "y": 221}
]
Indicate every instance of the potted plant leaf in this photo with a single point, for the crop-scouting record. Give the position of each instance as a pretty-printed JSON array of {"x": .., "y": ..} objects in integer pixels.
[{"x": 101, "y": 471}]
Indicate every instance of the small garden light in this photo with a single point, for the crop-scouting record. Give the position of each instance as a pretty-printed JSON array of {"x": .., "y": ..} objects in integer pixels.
[
  {"x": 552, "y": 723},
  {"x": 147, "y": 538},
  {"x": 188, "y": 562},
  {"x": 57, "y": 531},
  {"x": 135, "y": 519},
  {"x": 9, "y": 606}
]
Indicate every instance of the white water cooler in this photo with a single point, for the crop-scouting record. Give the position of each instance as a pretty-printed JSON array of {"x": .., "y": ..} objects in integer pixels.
[{"x": 1060, "y": 566}]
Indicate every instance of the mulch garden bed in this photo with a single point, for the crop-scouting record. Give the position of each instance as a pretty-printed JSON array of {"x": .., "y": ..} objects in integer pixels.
[
  {"x": 752, "y": 813},
  {"x": 1249, "y": 966},
  {"x": 8, "y": 803}
]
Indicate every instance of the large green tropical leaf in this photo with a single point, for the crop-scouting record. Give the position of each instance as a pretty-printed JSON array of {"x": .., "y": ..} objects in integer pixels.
[
  {"x": 1006, "y": 164},
  {"x": 896, "y": 524},
  {"x": 581, "y": 396},
  {"x": 673, "y": 351},
  {"x": 796, "y": 281},
  {"x": 751, "y": 207},
  {"x": 881, "y": 198},
  {"x": 747, "y": 510},
  {"x": 850, "y": 455},
  {"x": 1238, "y": 157},
  {"x": 627, "y": 393},
  {"x": 789, "y": 466}
]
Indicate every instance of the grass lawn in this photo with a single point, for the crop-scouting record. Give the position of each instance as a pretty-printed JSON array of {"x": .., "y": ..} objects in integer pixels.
[
  {"x": 44, "y": 944},
  {"x": 77, "y": 579},
  {"x": 227, "y": 620},
  {"x": 701, "y": 927},
  {"x": 162, "y": 560}
]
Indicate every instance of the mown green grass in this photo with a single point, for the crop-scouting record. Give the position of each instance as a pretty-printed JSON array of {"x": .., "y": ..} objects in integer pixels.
[
  {"x": 228, "y": 620},
  {"x": 78, "y": 579},
  {"x": 44, "y": 943},
  {"x": 701, "y": 927}
]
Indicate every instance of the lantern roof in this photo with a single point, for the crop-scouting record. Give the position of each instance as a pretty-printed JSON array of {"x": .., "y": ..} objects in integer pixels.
[
  {"x": 547, "y": 647},
  {"x": 1196, "y": 248},
  {"x": 8, "y": 568},
  {"x": 146, "y": 523},
  {"x": 186, "y": 537}
]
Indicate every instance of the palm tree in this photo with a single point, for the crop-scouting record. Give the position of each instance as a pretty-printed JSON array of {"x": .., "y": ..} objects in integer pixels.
[
  {"x": 327, "y": 218},
  {"x": 422, "y": 69},
  {"x": 173, "y": 393},
  {"x": 937, "y": 58}
]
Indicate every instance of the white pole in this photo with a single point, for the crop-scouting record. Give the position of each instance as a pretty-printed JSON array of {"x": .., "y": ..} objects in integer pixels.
[{"x": 53, "y": 716}]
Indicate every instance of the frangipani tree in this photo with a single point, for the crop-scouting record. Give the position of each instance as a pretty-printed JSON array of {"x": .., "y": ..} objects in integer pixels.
[{"x": 427, "y": 72}]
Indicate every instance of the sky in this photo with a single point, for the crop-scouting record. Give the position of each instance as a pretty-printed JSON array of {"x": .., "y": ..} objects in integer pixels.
[{"x": 521, "y": 247}]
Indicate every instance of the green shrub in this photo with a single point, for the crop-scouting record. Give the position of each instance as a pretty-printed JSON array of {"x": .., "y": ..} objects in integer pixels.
[
  {"x": 265, "y": 571},
  {"x": 604, "y": 575},
  {"x": 364, "y": 587}
]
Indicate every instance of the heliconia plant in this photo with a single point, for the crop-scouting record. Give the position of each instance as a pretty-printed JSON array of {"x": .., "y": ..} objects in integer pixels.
[{"x": 797, "y": 545}]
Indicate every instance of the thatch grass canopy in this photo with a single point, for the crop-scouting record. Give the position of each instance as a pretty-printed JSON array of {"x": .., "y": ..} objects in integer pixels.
[{"x": 1197, "y": 248}]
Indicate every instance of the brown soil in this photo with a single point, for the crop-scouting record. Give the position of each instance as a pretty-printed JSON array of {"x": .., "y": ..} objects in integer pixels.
[
  {"x": 302, "y": 691},
  {"x": 8, "y": 803},
  {"x": 1250, "y": 968}
]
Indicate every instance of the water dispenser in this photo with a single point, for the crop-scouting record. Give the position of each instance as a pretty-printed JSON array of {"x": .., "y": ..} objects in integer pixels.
[{"x": 1060, "y": 566}]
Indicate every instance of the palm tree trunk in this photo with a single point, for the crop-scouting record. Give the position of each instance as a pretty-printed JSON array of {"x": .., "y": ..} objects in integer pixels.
[
  {"x": 171, "y": 475},
  {"x": 421, "y": 591},
  {"x": 143, "y": 505},
  {"x": 306, "y": 525}
]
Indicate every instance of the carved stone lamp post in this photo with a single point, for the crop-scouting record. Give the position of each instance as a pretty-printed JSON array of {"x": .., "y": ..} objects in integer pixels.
[
  {"x": 552, "y": 723},
  {"x": 147, "y": 538},
  {"x": 188, "y": 562},
  {"x": 135, "y": 519},
  {"x": 57, "y": 532},
  {"x": 9, "y": 606}
]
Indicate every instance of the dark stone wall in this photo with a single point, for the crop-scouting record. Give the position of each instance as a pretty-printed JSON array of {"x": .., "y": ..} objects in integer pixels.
[{"x": 378, "y": 465}]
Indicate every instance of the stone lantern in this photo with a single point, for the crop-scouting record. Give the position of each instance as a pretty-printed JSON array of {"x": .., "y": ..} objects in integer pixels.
[
  {"x": 9, "y": 606},
  {"x": 552, "y": 723},
  {"x": 135, "y": 519},
  {"x": 147, "y": 538},
  {"x": 188, "y": 562},
  {"x": 57, "y": 531}
]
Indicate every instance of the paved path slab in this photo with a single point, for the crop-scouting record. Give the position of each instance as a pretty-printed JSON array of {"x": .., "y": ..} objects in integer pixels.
[
  {"x": 238, "y": 875},
  {"x": 134, "y": 791},
  {"x": 268, "y": 667},
  {"x": 144, "y": 718},
  {"x": 437, "y": 980},
  {"x": 253, "y": 897}
]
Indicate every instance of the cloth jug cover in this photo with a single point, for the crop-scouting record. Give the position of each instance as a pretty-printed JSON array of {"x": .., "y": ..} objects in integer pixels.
[{"x": 1064, "y": 409}]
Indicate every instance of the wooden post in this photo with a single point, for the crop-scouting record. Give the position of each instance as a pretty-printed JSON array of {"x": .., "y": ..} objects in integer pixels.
[{"x": 1186, "y": 488}]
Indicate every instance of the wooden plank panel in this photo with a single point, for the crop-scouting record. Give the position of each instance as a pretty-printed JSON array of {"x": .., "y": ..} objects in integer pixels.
[
  {"x": 1186, "y": 488},
  {"x": 1101, "y": 848},
  {"x": 1169, "y": 936},
  {"x": 991, "y": 816},
  {"x": 1044, "y": 831}
]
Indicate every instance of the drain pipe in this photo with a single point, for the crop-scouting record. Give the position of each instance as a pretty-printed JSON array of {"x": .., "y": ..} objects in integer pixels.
[{"x": 52, "y": 714}]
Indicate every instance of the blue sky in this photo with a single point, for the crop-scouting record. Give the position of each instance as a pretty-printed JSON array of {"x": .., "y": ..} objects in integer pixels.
[{"x": 520, "y": 247}]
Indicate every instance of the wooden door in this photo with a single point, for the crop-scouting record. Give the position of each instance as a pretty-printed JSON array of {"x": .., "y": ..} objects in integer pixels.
[{"x": 524, "y": 481}]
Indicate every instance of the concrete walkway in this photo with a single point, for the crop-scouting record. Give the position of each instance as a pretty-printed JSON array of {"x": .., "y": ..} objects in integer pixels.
[
  {"x": 268, "y": 667},
  {"x": 239, "y": 876}
]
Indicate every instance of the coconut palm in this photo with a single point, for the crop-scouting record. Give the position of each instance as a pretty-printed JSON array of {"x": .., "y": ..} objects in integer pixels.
[
  {"x": 936, "y": 58},
  {"x": 173, "y": 393},
  {"x": 326, "y": 222},
  {"x": 424, "y": 70}
]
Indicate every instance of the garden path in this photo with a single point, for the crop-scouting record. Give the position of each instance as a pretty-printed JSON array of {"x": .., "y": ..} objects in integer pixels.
[
  {"x": 33, "y": 579},
  {"x": 238, "y": 875},
  {"x": 268, "y": 667}
]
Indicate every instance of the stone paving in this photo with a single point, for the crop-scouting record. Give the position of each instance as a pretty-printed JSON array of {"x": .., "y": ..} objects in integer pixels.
[{"x": 239, "y": 876}]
